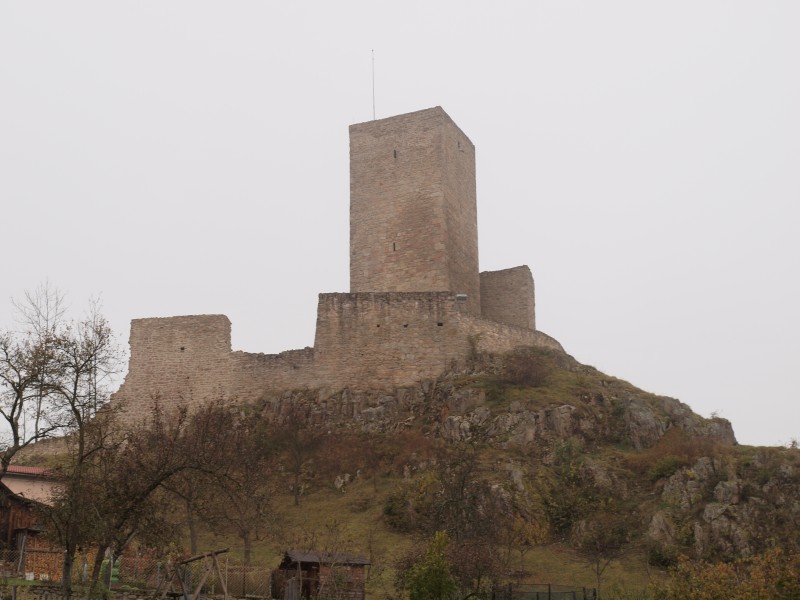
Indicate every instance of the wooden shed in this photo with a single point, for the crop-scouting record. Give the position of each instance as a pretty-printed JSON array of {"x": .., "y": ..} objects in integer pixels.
[
  {"x": 311, "y": 575},
  {"x": 19, "y": 521}
]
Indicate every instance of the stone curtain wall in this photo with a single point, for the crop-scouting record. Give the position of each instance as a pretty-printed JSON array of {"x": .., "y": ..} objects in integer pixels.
[
  {"x": 507, "y": 296},
  {"x": 413, "y": 216},
  {"x": 255, "y": 374},
  {"x": 364, "y": 341}
]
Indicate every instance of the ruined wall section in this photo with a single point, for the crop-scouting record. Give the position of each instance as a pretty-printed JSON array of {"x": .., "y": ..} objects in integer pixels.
[
  {"x": 413, "y": 216},
  {"x": 253, "y": 375},
  {"x": 507, "y": 296},
  {"x": 179, "y": 360}
]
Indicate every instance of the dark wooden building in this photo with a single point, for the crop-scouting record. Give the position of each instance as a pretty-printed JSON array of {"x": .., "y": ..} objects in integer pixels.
[
  {"x": 313, "y": 575},
  {"x": 19, "y": 523}
]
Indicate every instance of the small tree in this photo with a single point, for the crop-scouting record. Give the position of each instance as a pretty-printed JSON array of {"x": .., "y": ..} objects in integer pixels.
[
  {"x": 298, "y": 443},
  {"x": 240, "y": 489},
  {"x": 431, "y": 578},
  {"x": 114, "y": 483},
  {"x": 86, "y": 356},
  {"x": 602, "y": 538}
]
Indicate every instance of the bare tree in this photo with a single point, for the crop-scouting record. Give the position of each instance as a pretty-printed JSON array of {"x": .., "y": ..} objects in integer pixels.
[
  {"x": 189, "y": 488},
  {"x": 86, "y": 357},
  {"x": 298, "y": 443},
  {"x": 124, "y": 483},
  {"x": 603, "y": 537},
  {"x": 242, "y": 490},
  {"x": 116, "y": 482},
  {"x": 28, "y": 372}
]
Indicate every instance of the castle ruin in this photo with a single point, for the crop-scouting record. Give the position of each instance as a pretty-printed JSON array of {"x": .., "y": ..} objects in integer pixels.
[{"x": 417, "y": 299}]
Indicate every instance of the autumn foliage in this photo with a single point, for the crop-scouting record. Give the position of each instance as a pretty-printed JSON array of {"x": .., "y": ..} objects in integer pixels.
[{"x": 774, "y": 575}]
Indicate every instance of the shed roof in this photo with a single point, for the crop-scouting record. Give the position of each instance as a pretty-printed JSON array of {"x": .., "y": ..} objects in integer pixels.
[{"x": 325, "y": 558}]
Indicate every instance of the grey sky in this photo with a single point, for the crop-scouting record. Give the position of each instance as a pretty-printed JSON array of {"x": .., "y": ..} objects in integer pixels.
[{"x": 642, "y": 157}]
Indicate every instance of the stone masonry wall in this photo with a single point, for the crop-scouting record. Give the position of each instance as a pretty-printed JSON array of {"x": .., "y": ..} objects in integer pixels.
[
  {"x": 413, "y": 216},
  {"x": 255, "y": 374},
  {"x": 374, "y": 340},
  {"x": 364, "y": 341},
  {"x": 179, "y": 360},
  {"x": 507, "y": 296},
  {"x": 369, "y": 339}
]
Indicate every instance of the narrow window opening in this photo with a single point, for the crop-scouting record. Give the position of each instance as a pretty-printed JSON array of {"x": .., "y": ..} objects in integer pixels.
[
  {"x": 394, "y": 246},
  {"x": 183, "y": 348},
  {"x": 405, "y": 324},
  {"x": 439, "y": 324},
  {"x": 378, "y": 325},
  {"x": 395, "y": 153}
]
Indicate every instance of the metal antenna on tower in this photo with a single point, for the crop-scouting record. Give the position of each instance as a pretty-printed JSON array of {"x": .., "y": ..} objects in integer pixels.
[{"x": 373, "y": 84}]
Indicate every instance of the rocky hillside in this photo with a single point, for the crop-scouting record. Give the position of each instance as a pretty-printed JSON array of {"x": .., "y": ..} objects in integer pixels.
[{"x": 560, "y": 447}]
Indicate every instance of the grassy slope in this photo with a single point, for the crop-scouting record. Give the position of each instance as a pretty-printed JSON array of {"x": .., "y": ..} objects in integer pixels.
[{"x": 352, "y": 521}]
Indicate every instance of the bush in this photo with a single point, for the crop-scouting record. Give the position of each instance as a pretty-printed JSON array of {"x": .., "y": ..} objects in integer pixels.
[
  {"x": 664, "y": 467},
  {"x": 661, "y": 555},
  {"x": 431, "y": 578},
  {"x": 675, "y": 449},
  {"x": 396, "y": 512},
  {"x": 527, "y": 367}
]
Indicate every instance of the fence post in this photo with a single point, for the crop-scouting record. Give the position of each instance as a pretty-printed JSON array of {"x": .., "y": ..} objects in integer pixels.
[{"x": 110, "y": 569}]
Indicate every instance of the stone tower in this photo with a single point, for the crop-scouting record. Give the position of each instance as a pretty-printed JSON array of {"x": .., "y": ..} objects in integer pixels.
[{"x": 413, "y": 212}]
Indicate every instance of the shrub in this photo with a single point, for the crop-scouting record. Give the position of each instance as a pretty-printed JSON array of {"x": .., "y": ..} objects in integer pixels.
[
  {"x": 527, "y": 367},
  {"x": 664, "y": 467},
  {"x": 675, "y": 449},
  {"x": 396, "y": 512},
  {"x": 661, "y": 555}
]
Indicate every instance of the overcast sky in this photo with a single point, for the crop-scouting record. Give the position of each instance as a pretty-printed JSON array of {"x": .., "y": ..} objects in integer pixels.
[{"x": 643, "y": 158}]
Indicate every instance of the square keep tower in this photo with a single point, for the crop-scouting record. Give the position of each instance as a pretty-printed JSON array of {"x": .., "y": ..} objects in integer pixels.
[{"x": 413, "y": 213}]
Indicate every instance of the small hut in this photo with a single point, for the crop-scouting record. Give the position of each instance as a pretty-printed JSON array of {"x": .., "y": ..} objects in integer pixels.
[
  {"x": 23, "y": 491},
  {"x": 19, "y": 521},
  {"x": 311, "y": 575}
]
